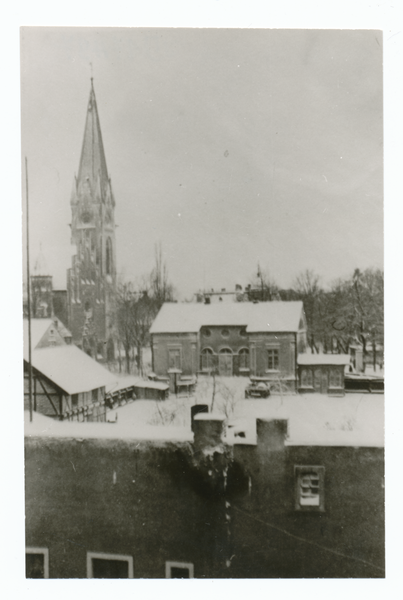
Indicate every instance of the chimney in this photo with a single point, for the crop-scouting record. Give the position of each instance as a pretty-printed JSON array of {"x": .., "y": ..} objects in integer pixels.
[
  {"x": 271, "y": 434},
  {"x": 208, "y": 430}
]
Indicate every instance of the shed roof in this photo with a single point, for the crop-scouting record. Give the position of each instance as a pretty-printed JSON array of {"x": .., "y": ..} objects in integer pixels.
[
  {"x": 71, "y": 369},
  {"x": 323, "y": 359},
  {"x": 260, "y": 317},
  {"x": 122, "y": 383}
]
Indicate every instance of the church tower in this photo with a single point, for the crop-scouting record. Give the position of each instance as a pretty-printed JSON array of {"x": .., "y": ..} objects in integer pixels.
[{"x": 91, "y": 280}]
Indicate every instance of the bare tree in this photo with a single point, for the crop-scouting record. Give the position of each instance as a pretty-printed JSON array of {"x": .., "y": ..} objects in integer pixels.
[
  {"x": 135, "y": 312},
  {"x": 161, "y": 290},
  {"x": 307, "y": 288},
  {"x": 262, "y": 288}
]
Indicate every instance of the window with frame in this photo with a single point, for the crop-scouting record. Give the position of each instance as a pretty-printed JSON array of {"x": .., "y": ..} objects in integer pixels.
[
  {"x": 306, "y": 378},
  {"x": 109, "y": 566},
  {"x": 179, "y": 570},
  {"x": 174, "y": 358},
  {"x": 207, "y": 359},
  {"x": 335, "y": 378},
  {"x": 272, "y": 359},
  {"x": 109, "y": 257},
  {"x": 309, "y": 488},
  {"x": 225, "y": 332},
  {"x": 37, "y": 563},
  {"x": 244, "y": 359},
  {"x": 74, "y": 400}
]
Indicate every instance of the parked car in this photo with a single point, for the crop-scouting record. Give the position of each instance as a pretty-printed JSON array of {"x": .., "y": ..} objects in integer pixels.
[
  {"x": 361, "y": 382},
  {"x": 257, "y": 389}
]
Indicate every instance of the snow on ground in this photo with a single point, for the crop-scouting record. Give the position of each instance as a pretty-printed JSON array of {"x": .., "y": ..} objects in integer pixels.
[{"x": 355, "y": 419}]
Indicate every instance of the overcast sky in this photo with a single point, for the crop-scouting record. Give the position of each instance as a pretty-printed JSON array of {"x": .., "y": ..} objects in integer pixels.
[{"x": 230, "y": 146}]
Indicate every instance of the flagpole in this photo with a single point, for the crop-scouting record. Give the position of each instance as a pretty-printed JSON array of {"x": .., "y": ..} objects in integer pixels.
[{"x": 29, "y": 297}]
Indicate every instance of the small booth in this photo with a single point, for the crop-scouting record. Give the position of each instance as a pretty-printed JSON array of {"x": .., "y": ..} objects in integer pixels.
[{"x": 322, "y": 373}]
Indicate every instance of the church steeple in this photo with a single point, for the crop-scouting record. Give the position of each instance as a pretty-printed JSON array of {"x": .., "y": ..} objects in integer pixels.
[
  {"x": 92, "y": 278},
  {"x": 92, "y": 166}
]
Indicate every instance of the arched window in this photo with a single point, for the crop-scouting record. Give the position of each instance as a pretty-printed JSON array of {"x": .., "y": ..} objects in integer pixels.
[
  {"x": 225, "y": 362},
  {"x": 206, "y": 359},
  {"x": 109, "y": 257},
  {"x": 243, "y": 358}
]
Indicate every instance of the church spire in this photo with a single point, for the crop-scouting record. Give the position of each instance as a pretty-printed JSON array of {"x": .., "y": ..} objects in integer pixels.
[{"x": 92, "y": 166}]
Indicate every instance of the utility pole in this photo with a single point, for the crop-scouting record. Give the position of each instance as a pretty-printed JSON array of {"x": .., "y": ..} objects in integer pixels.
[{"x": 29, "y": 298}]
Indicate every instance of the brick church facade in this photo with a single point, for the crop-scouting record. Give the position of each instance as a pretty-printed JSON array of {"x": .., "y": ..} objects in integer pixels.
[
  {"x": 86, "y": 307},
  {"x": 91, "y": 280}
]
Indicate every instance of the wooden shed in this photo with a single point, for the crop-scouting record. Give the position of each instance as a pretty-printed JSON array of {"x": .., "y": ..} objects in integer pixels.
[{"x": 322, "y": 373}]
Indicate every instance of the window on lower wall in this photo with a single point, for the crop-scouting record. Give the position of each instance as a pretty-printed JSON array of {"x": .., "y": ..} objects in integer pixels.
[
  {"x": 109, "y": 566},
  {"x": 37, "y": 563},
  {"x": 306, "y": 378},
  {"x": 309, "y": 488},
  {"x": 272, "y": 359},
  {"x": 335, "y": 378},
  {"x": 206, "y": 359},
  {"x": 178, "y": 570},
  {"x": 244, "y": 358},
  {"x": 174, "y": 358}
]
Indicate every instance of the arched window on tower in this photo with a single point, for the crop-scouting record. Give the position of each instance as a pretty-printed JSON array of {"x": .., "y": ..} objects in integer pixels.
[{"x": 109, "y": 257}]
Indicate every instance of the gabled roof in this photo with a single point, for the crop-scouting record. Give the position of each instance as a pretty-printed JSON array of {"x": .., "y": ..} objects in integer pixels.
[
  {"x": 261, "y": 317},
  {"x": 71, "y": 369},
  {"x": 92, "y": 161},
  {"x": 39, "y": 327},
  {"x": 40, "y": 266}
]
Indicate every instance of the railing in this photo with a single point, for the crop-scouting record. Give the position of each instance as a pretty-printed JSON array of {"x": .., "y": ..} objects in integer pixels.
[{"x": 97, "y": 411}]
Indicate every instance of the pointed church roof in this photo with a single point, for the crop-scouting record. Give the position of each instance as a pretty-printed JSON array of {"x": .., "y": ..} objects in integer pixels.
[
  {"x": 40, "y": 267},
  {"x": 92, "y": 161}
]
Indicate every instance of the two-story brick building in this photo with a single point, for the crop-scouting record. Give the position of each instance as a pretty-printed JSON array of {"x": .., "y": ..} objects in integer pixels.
[{"x": 242, "y": 338}]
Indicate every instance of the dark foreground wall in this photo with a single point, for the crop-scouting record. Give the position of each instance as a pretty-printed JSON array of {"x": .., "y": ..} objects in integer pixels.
[
  {"x": 344, "y": 537},
  {"x": 160, "y": 502}
]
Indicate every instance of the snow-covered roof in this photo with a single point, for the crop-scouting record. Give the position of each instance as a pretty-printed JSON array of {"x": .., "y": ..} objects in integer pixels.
[
  {"x": 71, "y": 369},
  {"x": 38, "y": 329},
  {"x": 42, "y": 426},
  {"x": 323, "y": 359},
  {"x": 126, "y": 382},
  {"x": 256, "y": 317}
]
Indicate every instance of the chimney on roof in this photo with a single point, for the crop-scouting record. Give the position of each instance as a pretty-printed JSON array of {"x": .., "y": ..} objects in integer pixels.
[
  {"x": 271, "y": 434},
  {"x": 208, "y": 430}
]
